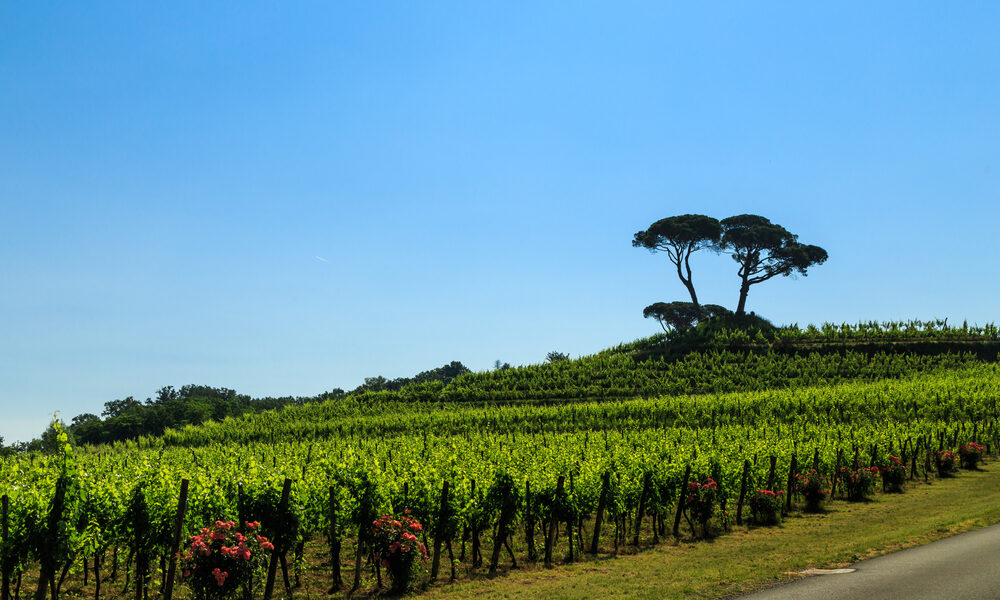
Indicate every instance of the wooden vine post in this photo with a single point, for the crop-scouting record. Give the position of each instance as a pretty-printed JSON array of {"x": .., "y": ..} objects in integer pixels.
[
  {"x": 681, "y": 502},
  {"x": 240, "y": 508},
  {"x": 836, "y": 472},
  {"x": 477, "y": 558},
  {"x": 770, "y": 473},
  {"x": 502, "y": 530},
  {"x": 791, "y": 482},
  {"x": 529, "y": 524},
  {"x": 338, "y": 581},
  {"x": 642, "y": 507},
  {"x": 743, "y": 492},
  {"x": 569, "y": 525},
  {"x": 357, "y": 558},
  {"x": 599, "y": 517},
  {"x": 47, "y": 570},
  {"x": 272, "y": 565},
  {"x": 553, "y": 522},
  {"x": 440, "y": 531},
  {"x": 168, "y": 590}
]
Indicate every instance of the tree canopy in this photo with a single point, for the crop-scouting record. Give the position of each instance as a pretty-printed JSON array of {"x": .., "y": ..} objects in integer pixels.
[
  {"x": 556, "y": 356},
  {"x": 763, "y": 250},
  {"x": 678, "y": 237},
  {"x": 680, "y": 316},
  {"x": 443, "y": 374}
]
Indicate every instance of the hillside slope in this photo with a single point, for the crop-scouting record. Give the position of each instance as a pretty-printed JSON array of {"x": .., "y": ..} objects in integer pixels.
[{"x": 723, "y": 361}]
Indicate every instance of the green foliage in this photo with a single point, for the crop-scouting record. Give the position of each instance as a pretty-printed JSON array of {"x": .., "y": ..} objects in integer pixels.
[
  {"x": 859, "y": 483},
  {"x": 814, "y": 487},
  {"x": 679, "y": 233},
  {"x": 970, "y": 454},
  {"x": 55, "y": 438},
  {"x": 190, "y": 405},
  {"x": 385, "y": 452},
  {"x": 555, "y": 357},
  {"x": 765, "y": 506},
  {"x": 681, "y": 316},
  {"x": 893, "y": 474},
  {"x": 380, "y": 457},
  {"x": 442, "y": 374}
]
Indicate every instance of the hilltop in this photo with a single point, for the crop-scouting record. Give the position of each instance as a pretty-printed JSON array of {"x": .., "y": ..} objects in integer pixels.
[
  {"x": 708, "y": 359},
  {"x": 719, "y": 355}
]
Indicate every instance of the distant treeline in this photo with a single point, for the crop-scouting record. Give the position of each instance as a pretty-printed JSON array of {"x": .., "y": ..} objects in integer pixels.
[
  {"x": 194, "y": 404},
  {"x": 172, "y": 408}
]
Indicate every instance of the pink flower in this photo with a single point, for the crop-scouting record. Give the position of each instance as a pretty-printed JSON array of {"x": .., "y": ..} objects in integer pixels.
[
  {"x": 220, "y": 576},
  {"x": 267, "y": 546}
]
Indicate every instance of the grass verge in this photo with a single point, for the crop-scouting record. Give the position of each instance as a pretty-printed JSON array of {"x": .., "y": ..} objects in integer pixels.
[{"x": 748, "y": 559}]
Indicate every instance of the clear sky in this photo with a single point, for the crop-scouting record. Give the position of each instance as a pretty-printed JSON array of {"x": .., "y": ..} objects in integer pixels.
[{"x": 284, "y": 198}]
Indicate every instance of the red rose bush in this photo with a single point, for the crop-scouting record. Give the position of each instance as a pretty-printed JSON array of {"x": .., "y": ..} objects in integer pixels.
[
  {"x": 765, "y": 507},
  {"x": 398, "y": 547},
  {"x": 813, "y": 487},
  {"x": 221, "y": 560},
  {"x": 893, "y": 474},
  {"x": 971, "y": 454}
]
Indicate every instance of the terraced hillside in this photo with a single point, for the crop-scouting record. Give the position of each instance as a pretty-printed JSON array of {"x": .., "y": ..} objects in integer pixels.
[{"x": 540, "y": 463}]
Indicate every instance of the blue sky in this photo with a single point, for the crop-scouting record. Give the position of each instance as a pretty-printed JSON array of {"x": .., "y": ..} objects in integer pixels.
[{"x": 287, "y": 198}]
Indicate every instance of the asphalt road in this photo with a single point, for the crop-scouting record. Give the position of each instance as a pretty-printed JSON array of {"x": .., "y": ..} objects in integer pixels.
[{"x": 962, "y": 567}]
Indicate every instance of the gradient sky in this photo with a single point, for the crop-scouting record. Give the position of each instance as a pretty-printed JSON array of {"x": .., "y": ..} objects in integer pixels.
[{"x": 284, "y": 198}]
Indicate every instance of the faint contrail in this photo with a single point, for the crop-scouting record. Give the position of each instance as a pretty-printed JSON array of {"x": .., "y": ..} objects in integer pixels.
[{"x": 321, "y": 259}]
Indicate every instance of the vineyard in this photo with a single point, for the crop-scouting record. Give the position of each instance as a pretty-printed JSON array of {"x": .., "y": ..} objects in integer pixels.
[{"x": 538, "y": 464}]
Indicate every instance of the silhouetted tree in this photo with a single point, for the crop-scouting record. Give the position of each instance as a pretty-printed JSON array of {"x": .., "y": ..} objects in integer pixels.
[
  {"x": 680, "y": 236},
  {"x": 444, "y": 374},
  {"x": 764, "y": 250},
  {"x": 682, "y": 315},
  {"x": 554, "y": 357}
]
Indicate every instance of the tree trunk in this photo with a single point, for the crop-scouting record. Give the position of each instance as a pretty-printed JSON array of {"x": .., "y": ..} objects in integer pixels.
[
  {"x": 744, "y": 290},
  {"x": 687, "y": 281}
]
